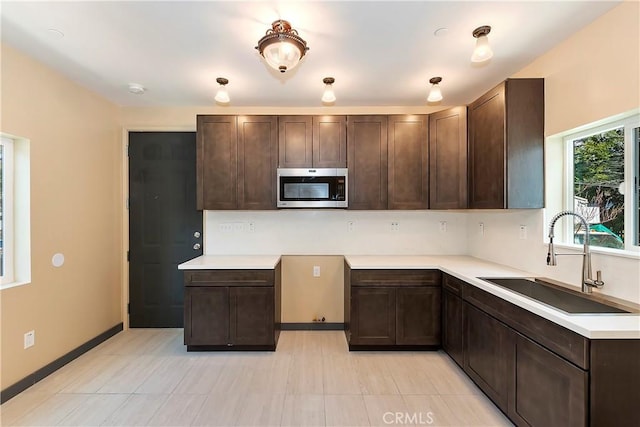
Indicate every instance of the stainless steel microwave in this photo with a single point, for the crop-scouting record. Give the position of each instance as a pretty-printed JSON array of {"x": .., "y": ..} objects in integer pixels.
[{"x": 312, "y": 188}]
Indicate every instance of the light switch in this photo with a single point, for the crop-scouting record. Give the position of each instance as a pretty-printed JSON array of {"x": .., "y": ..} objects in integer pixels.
[{"x": 316, "y": 271}]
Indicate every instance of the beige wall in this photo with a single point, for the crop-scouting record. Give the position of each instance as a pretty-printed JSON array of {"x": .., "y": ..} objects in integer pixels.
[
  {"x": 75, "y": 209},
  {"x": 594, "y": 74}
]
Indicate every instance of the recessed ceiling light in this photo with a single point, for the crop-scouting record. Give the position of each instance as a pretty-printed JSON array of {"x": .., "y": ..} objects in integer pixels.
[
  {"x": 136, "y": 88},
  {"x": 441, "y": 32},
  {"x": 54, "y": 33}
]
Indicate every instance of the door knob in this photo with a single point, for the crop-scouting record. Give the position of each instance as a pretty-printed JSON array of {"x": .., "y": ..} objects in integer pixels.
[
  {"x": 196, "y": 246},
  {"x": 196, "y": 234}
]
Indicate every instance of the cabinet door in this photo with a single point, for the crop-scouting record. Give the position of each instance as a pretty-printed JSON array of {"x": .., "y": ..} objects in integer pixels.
[
  {"x": 452, "y": 326},
  {"x": 206, "y": 315},
  {"x": 448, "y": 159},
  {"x": 418, "y": 315},
  {"x": 367, "y": 162},
  {"x": 329, "y": 141},
  {"x": 549, "y": 391},
  {"x": 216, "y": 161},
  {"x": 252, "y": 315},
  {"x": 487, "y": 150},
  {"x": 488, "y": 354},
  {"x": 408, "y": 163},
  {"x": 373, "y": 316},
  {"x": 295, "y": 142},
  {"x": 257, "y": 162}
]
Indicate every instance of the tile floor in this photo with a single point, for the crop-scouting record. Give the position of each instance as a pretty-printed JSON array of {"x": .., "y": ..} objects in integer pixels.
[{"x": 146, "y": 377}]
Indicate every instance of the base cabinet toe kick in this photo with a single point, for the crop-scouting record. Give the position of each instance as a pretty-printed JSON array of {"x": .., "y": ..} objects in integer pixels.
[
  {"x": 232, "y": 309},
  {"x": 536, "y": 371}
]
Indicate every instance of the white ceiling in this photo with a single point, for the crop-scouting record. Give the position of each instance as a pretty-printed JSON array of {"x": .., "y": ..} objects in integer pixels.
[{"x": 380, "y": 52}]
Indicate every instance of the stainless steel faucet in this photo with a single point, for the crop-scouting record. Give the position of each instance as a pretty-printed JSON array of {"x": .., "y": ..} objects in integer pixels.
[{"x": 587, "y": 280}]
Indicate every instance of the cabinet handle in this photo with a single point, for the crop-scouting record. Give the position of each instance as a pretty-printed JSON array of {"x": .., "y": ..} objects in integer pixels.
[{"x": 196, "y": 246}]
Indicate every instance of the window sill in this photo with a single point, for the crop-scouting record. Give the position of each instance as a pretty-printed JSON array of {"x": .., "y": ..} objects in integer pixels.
[
  {"x": 13, "y": 285},
  {"x": 623, "y": 253}
]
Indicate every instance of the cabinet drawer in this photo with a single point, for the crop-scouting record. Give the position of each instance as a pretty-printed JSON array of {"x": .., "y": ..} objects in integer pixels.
[
  {"x": 562, "y": 341},
  {"x": 452, "y": 284},
  {"x": 395, "y": 278},
  {"x": 229, "y": 278}
]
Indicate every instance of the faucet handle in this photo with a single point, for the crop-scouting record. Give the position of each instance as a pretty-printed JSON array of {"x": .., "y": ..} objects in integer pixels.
[{"x": 598, "y": 283}]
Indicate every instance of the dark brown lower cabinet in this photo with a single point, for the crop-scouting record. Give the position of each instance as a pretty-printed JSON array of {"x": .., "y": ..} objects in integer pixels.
[
  {"x": 232, "y": 309},
  {"x": 488, "y": 356},
  {"x": 452, "y": 326},
  {"x": 392, "y": 308},
  {"x": 547, "y": 390}
]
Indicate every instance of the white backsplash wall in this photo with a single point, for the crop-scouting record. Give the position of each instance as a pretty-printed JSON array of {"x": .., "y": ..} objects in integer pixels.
[
  {"x": 501, "y": 243},
  {"x": 327, "y": 232}
]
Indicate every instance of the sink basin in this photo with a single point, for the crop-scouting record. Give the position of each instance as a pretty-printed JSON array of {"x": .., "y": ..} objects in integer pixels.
[{"x": 556, "y": 297}]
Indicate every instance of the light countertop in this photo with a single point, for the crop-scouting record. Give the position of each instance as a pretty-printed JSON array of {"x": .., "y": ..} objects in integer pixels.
[
  {"x": 469, "y": 269},
  {"x": 231, "y": 262}
]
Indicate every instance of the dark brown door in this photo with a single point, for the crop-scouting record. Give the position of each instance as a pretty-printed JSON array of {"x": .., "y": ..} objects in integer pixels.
[
  {"x": 257, "y": 162},
  {"x": 251, "y": 314},
  {"x": 373, "y": 316},
  {"x": 217, "y": 177},
  {"x": 549, "y": 391},
  {"x": 489, "y": 354},
  {"x": 330, "y": 141},
  {"x": 448, "y": 159},
  {"x": 163, "y": 222},
  {"x": 206, "y": 315},
  {"x": 452, "y": 326},
  {"x": 408, "y": 163},
  {"x": 295, "y": 141},
  {"x": 418, "y": 315},
  {"x": 487, "y": 151},
  {"x": 367, "y": 162}
]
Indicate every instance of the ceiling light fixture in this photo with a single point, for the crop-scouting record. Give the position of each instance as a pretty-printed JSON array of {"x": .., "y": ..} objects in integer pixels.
[
  {"x": 328, "y": 96},
  {"x": 282, "y": 47},
  {"x": 482, "y": 51},
  {"x": 435, "y": 94},
  {"x": 136, "y": 88},
  {"x": 222, "y": 96}
]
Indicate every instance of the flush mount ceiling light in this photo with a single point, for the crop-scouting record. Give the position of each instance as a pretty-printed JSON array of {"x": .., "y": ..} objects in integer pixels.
[
  {"x": 482, "y": 51},
  {"x": 222, "y": 96},
  {"x": 328, "y": 96},
  {"x": 136, "y": 88},
  {"x": 435, "y": 95},
  {"x": 282, "y": 47}
]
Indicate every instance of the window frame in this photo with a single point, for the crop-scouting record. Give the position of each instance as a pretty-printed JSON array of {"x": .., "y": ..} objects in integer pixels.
[
  {"x": 631, "y": 177},
  {"x": 8, "y": 229}
]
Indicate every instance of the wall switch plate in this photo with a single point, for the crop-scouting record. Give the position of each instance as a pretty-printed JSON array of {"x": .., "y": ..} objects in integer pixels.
[
  {"x": 481, "y": 228},
  {"x": 395, "y": 226},
  {"x": 225, "y": 227},
  {"x": 238, "y": 227},
  {"x": 29, "y": 339},
  {"x": 350, "y": 226},
  {"x": 443, "y": 226},
  {"x": 522, "y": 234},
  {"x": 316, "y": 271}
]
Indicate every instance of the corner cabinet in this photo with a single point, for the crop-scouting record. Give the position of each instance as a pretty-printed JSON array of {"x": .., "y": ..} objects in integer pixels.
[
  {"x": 506, "y": 146},
  {"x": 392, "y": 308},
  {"x": 236, "y": 162},
  {"x": 232, "y": 309},
  {"x": 448, "y": 159},
  {"x": 312, "y": 141}
]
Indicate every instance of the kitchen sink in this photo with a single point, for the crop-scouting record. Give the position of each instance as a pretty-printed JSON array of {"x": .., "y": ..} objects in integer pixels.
[{"x": 555, "y": 296}]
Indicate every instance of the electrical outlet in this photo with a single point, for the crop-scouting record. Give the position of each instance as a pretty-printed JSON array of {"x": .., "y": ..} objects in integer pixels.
[
  {"x": 395, "y": 226},
  {"x": 523, "y": 232},
  {"x": 350, "y": 226},
  {"x": 443, "y": 226},
  {"x": 316, "y": 271},
  {"x": 29, "y": 339},
  {"x": 481, "y": 228},
  {"x": 252, "y": 227}
]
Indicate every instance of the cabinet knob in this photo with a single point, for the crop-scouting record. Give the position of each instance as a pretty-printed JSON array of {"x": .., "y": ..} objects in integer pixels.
[
  {"x": 196, "y": 234},
  {"x": 196, "y": 246}
]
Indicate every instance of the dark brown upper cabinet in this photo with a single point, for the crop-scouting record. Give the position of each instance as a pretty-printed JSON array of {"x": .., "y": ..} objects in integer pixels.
[
  {"x": 506, "y": 146},
  {"x": 312, "y": 141},
  {"x": 367, "y": 161},
  {"x": 236, "y": 162},
  {"x": 408, "y": 162},
  {"x": 448, "y": 159}
]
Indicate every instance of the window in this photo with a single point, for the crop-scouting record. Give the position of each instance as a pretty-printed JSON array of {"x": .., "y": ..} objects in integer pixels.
[
  {"x": 6, "y": 210},
  {"x": 602, "y": 184}
]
